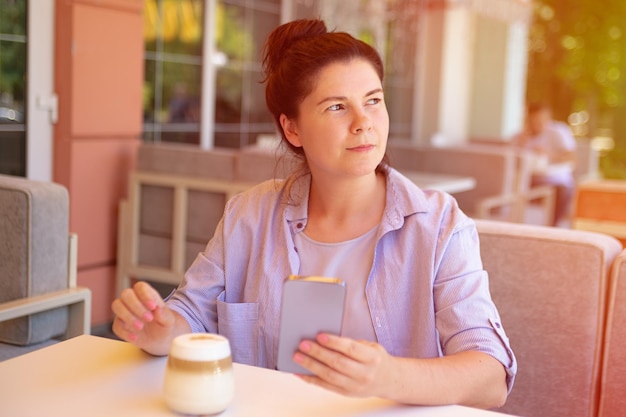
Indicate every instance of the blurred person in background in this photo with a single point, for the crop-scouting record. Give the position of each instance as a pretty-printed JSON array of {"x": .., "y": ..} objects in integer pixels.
[{"x": 554, "y": 146}]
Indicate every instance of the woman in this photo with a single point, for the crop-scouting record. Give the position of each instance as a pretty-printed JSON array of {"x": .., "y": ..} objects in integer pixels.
[{"x": 419, "y": 326}]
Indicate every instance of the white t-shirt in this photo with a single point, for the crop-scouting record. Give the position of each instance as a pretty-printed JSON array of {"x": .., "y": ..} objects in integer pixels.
[
  {"x": 555, "y": 140},
  {"x": 350, "y": 261}
]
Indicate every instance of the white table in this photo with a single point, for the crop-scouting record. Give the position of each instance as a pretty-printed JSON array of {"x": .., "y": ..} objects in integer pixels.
[
  {"x": 93, "y": 376},
  {"x": 443, "y": 182}
]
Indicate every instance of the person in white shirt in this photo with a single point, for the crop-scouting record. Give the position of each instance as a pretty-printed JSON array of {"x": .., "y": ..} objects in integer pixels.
[{"x": 554, "y": 146}]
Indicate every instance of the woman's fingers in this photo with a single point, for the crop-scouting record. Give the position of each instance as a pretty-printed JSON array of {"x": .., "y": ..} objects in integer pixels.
[
  {"x": 341, "y": 364},
  {"x": 137, "y": 306}
]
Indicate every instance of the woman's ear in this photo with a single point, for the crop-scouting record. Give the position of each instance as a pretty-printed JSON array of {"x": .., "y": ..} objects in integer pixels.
[{"x": 291, "y": 130}]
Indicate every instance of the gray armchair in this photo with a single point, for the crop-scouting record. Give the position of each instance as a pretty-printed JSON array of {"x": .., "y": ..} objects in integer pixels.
[{"x": 40, "y": 301}]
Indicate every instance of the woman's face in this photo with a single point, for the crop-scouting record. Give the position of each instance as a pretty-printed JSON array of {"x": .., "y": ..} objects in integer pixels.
[
  {"x": 538, "y": 121},
  {"x": 343, "y": 124}
]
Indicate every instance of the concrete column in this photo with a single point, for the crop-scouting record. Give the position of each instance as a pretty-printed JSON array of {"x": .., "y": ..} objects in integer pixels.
[
  {"x": 98, "y": 77},
  {"x": 499, "y": 82},
  {"x": 471, "y": 71}
]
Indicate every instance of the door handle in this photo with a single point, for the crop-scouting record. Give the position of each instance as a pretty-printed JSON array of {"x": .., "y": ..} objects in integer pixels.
[{"x": 51, "y": 104}]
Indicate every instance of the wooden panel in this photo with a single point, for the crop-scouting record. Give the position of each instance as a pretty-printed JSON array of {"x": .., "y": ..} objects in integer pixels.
[
  {"x": 99, "y": 179},
  {"x": 107, "y": 71},
  {"x": 101, "y": 281}
]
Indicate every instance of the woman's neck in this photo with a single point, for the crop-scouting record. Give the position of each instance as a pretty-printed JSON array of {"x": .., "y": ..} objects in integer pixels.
[{"x": 343, "y": 210}]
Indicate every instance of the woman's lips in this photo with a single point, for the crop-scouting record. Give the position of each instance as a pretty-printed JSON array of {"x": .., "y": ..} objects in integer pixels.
[{"x": 362, "y": 148}]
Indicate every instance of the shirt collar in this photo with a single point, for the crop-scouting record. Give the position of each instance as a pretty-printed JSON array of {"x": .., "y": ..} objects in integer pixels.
[{"x": 402, "y": 200}]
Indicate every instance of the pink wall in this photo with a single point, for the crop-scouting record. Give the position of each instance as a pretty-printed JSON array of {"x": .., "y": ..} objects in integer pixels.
[{"x": 98, "y": 78}]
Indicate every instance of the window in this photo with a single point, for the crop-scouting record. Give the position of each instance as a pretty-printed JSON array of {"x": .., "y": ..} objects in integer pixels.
[
  {"x": 392, "y": 28},
  {"x": 12, "y": 87},
  {"x": 240, "y": 111},
  {"x": 174, "y": 36}
]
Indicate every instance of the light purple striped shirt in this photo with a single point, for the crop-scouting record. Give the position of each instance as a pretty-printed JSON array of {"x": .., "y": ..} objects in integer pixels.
[{"x": 427, "y": 291}]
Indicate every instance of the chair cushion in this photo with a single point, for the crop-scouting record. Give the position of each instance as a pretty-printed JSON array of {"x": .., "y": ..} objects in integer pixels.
[
  {"x": 34, "y": 230},
  {"x": 613, "y": 401},
  {"x": 550, "y": 286}
]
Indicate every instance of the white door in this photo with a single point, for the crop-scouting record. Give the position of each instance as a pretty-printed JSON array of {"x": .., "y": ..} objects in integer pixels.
[
  {"x": 41, "y": 99},
  {"x": 27, "y": 99}
]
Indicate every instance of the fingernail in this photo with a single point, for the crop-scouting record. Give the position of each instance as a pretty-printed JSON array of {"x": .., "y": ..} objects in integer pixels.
[
  {"x": 137, "y": 324},
  {"x": 298, "y": 357},
  {"x": 305, "y": 346},
  {"x": 322, "y": 337},
  {"x": 148, "y": 316}
]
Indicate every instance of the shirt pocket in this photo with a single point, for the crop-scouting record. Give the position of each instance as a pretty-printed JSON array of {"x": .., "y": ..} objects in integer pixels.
[{"x": 239, "y": 323}]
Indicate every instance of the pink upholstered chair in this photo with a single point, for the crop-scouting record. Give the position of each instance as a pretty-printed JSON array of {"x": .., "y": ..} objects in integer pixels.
[
  {"x": 613, "y": 386},
  {"x": 550, "y": 287}
]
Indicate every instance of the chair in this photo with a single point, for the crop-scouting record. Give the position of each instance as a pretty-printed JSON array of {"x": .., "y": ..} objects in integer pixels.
[
  {"x": 39, "y": 299},
  {"x": 612, "y": 398},
  {"x": 525, "y": 203},
  {"x": 550, "y": 287},
  {"x": 600, "y": 206},
  {"x": 176, "y": 198},
  {"x": 502, "y": 174}
]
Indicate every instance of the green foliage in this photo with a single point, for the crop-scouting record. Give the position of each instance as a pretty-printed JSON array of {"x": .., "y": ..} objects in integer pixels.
[
  {"x": 13, "y": 17},
  {"x": 12, "y": 49},
  {"x": 613, "y": 164},
  {"x": 577, "y": 61},
  {"x": 578, "y": 51}
]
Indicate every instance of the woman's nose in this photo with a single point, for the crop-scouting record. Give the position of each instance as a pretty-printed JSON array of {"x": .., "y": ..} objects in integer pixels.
[{"x": 362, "y": 122}]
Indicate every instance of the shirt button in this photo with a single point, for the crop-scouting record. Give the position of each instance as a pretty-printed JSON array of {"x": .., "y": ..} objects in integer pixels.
[
  {"x": 498, "y": 325},
  {"x": 299, "y": 225}
]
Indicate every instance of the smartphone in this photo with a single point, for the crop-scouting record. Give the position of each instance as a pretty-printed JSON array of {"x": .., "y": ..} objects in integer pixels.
[{"x": 309, "y": 305}]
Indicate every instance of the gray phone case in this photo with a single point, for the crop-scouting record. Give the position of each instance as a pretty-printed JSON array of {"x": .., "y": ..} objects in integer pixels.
[{"x": 309, "y": 305}]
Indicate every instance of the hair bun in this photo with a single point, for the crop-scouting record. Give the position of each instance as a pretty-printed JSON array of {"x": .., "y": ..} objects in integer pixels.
[{"x": 285, "y": 36}]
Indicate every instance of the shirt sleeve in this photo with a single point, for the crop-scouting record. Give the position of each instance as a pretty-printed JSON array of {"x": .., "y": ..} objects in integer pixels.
[
  {"x": 562, "y": 138},
  {"x": 196, "y": 298},
  {"x": 466, "y": 316}
]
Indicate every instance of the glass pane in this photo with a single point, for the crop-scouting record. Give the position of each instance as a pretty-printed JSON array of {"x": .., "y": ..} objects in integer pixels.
[
  {"x": 399, "y": 102},
  {"x": 263, "y": 22},
  {"x": 149, "y": 91},
  {"x": 229, "y": 88},
  {"x": 12, "y": 77},
  {"x": 400, "y": 57},
  {"x": 390, "y": 26},
  {"x": 240, "y": 113},
  {"x": 181, "y": 93},
  {"x": 179, "y": 22},
  {"x": 255, "y": 102},
  {"x": 13, "y": 17},
  {"x": 233, "y": 37},
  {"x": 12, "y": 153},
  {"x": 12, "y": 87},
  {"x": 182, "y": 26},
  {"x": 173, "y": 70},
  {"x": 151, "y": 24}
]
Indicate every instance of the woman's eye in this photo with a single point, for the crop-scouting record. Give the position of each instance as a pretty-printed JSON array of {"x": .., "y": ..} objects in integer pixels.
[
  {"x": 374, "y": 100},
  {"x": 335, "y": 107}
]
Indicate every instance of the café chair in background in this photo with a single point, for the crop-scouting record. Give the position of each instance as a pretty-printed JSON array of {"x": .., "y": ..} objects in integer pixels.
[{"x": 40, "y": 302}]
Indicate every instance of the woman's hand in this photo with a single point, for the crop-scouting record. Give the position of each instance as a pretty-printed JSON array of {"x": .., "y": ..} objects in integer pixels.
[
  {"x": 346, "y": 366},
  {"x": 142, "y": 318},
  {"x": 364, "y": 369}
]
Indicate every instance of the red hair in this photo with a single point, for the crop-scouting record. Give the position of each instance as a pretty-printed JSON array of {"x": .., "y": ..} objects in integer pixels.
[{"x": 293, "y": 56}]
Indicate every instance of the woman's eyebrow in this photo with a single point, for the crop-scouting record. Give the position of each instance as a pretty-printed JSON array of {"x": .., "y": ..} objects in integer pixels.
[{"x": 343, "y": 98}]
